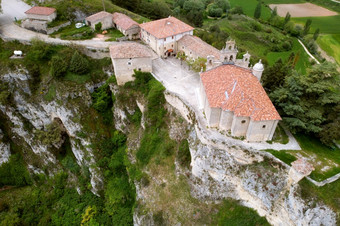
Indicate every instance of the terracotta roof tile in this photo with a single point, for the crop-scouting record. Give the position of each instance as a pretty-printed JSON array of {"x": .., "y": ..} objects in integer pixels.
[
  {"x": 236, "y": 89},
  {"x": 39, "y": 10},
  {"x": 166, "y": 27},
  {"x": 199, "y": 47},
  {"x": 98, "y": 16},
  {"x": 123, "y": 21},
  {"x": 129, "y": 50}
]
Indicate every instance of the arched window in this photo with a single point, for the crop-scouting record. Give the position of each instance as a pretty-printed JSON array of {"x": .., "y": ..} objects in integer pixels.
[{"x": 231, "y": 58}]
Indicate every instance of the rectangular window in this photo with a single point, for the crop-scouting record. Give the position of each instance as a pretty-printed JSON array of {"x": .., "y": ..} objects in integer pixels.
[
  {"x": 172, "y": 37},
  {"x": 264, "y": 126},
  {"x": 165, "y": 39}
]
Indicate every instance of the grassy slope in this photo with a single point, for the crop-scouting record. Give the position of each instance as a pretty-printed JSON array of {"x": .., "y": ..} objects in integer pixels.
[
  {"x": 249, "y": 8},
  {"x": 259, "y": 43},
  {"x": 331, "y": 44},
  {"x": 302, "y": 63}
]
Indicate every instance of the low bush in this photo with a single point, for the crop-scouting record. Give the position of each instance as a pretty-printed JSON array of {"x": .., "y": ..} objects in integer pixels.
[
  {"x": 79, "y": 64},
  {"x": 14, "y": 172}
]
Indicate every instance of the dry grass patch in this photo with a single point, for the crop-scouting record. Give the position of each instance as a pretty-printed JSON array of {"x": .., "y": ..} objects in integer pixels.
[{"x": 302, "y": 10}]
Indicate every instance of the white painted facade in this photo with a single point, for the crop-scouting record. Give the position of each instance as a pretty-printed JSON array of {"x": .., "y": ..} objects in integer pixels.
[{"x": 164, "y": 46}]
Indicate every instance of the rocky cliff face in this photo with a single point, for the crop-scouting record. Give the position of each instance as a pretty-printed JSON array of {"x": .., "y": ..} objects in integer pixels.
[
  {"x": 221, "y": 171},
  {"x": 27, "y": 114},
  {"x": 217, "y": 171}
]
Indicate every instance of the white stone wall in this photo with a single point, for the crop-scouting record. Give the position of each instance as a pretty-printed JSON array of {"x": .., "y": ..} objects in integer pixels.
[
  {"x": 106, "y": 23},
  {"x": 42, "y": 17},
  {"x": 239, "y": 126},
  {"x": 261, "y": 130},
  {"x": 226, "y": 120},
  {"x": 124, "y": 68}
]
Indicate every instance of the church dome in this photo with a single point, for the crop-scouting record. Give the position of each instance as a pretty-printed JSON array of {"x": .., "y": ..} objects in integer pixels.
[{"x": 258, "y": 66}]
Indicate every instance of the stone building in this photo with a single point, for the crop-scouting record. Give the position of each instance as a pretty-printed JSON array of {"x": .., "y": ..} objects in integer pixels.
[
  {"x": 127, "y": 57},
  {"x": 41, "y": 13},
  {"x": 235, "y": 100},
  {"x": 126, "y": 25},
  {"x": 102, "y": 17},
  {"x": 162, "y": 35},
  {"x": 194, "y": 47}
]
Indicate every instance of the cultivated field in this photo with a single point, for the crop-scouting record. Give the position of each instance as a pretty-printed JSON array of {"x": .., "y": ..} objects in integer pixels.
[{"x": 302, "y": 10}]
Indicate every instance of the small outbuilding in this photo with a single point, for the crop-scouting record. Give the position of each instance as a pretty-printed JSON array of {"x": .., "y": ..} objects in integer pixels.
[
  {"x": 41, "y": 13},
  {"x": 127, "y": 57},
  {"x": 126, "y": 25},
  {"x": 102, "y": 17}
]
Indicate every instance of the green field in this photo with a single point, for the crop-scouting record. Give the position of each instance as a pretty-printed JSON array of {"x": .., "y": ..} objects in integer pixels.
[
  {"x": 331, "y": 44},
  {"x": 302, "y": 63},
  {"x": 283, "y": 1},
  {"x": 249, "y": 8},
  {"x": 327, "y": 25}
]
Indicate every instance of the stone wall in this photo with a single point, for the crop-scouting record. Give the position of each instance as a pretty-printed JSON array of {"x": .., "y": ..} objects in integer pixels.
[
  {"x": 42, "y": 17},
  {"x": 124, "y": 68},
  {"x": 261, "y": 130},
  {"x": 41, "y": 26},
  {"x": 106, "y": 23}
]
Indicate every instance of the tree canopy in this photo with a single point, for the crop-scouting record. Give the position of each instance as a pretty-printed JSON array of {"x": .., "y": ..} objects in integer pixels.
[{"x": 310, "y": 103}]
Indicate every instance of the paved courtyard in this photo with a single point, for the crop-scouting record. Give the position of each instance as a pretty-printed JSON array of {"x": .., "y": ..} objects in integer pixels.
[{"x": 178, "y": 79}]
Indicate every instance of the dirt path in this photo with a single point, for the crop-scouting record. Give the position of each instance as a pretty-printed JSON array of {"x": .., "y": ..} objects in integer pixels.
[{"x": 302, "y": 10}]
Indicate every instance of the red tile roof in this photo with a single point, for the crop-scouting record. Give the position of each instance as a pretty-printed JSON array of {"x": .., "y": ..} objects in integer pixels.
[
  {"x": 129, "y": 50},
  {"x": 123, "y": 21},
  {"x": 98, "y": 16},
  {"x": 166, "y": 27},
  {"x": 38, "y": 10},
  {"x": 199, "y": 47},
  {"x": 236, "y": 89}
]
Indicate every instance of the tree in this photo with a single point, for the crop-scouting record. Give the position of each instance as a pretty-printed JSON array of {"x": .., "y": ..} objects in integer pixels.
[
  {"x": 287, "y": 18},
  {"x": 316, "y": 34},
  {"x": 274, "y": 76},
  {"x": 257, "y": 13},
  {"x": 223, "y": 4},
  {"x": 181, "y": 56},
  {"x": 306, "y": 28},
  {"x": 4, "y": 93},
  {"x": 237, "y": 10},
  {"x": 194, "y": 10},
  {"x": 274, "y": 13},
  {"x": 58, "y": 66},
  {"x": 98, "y": 26},
  {"x": 214, "y": 10},
  {"x": 199, "y": 64},
  {"x": 309, "y": 103},
  {"x": 79, "y": 64}
]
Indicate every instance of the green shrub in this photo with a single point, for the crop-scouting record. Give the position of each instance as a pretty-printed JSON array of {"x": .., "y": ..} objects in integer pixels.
[
  {"x": 4, "y": 93},
  {"x": 79, "y": 64},
  {"x": 98, "y": 26},
  {"x": 184, "y": 156},
  {"x": 58, "y": 66},
  {"x": 14, "y": 172}
]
